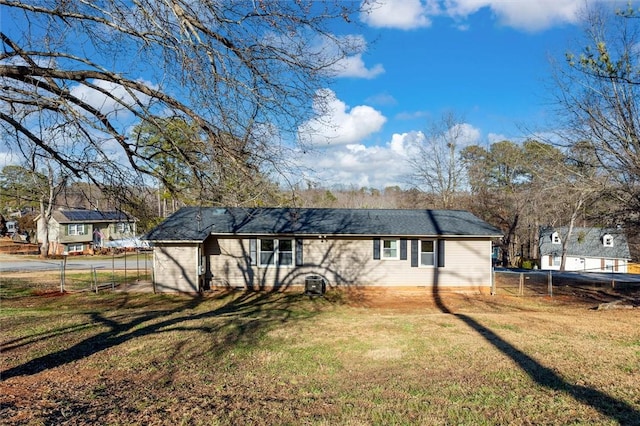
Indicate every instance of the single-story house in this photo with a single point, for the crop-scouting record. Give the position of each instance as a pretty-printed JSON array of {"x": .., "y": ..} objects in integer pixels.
[
  {"x": 79, "y": 231},
  {"x": 198, "y": 248},
  {"x": 588, "y": 249}
]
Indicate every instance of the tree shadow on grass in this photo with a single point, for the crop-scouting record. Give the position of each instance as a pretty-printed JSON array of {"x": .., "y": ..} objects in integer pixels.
[
  {"x": 615, "y": 409},
  {"x": 265, "y": 308}
]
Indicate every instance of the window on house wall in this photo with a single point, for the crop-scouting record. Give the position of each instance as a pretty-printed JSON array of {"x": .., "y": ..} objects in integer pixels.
[
  {"x": 275, "y": 252},
  {"x": 122, "y": 227},
  {"x": 555, "y": 238},
  {"x": 609, "y": 265},
  {"x": 427, "y": 253},
  {"x": 76, "y": 229},
  {"x": 390, "y": 249},
  {"x": 607, "y": 240},
  {"x": 75, "y": 248},
  {"x": 557, "y": 260}
]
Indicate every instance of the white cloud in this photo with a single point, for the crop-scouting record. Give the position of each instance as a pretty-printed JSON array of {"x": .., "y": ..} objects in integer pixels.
[
  {"x": 496, "y": 137},
  {"x": 401, "y": 14},
  {"x": 120, "y": 96},
  {"x": 528, "y": 15},
  {"x": 533, "y": 15},
  {"x": 354, "y": 66},
  {"x": 464, "y": 134},
  {"x": 376, "y": 166},
  {"x": 362, "y": 166},
  {"x": 336, "y": 124}
]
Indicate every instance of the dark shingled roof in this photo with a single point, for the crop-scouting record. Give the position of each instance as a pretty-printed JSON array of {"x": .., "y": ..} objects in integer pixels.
[
  {"x": 91, "y": 216},
  {"x": 585, "y": 242},
  {"x": 196, "y": 223}
]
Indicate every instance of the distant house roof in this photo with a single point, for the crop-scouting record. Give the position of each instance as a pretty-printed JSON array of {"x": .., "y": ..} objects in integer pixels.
[
  {"x": 196, "y": 223},
  {"x": 92, "y": 216},
  {"x": 585, "y": 242}
]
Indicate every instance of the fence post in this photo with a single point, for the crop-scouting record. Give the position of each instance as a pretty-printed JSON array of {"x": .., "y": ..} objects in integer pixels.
[
  {"x": 521, "y": 285},
  {"x": 95, "y": 278},
  {"x": 550, "y": 283},
  {"x": 63, "y": 274},
  {"x": 493, "y": 278}
]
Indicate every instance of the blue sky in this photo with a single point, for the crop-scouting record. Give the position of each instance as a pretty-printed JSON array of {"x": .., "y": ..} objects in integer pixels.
[{"x": 486, "y": 61}]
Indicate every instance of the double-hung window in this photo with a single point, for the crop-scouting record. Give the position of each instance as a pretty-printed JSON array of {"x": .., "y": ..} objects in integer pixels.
[
  {"x": 427, "y": 253},
  {"x": 275, "y": 252},
  {"x": 390, "y": 249},
  {"x": 75, "y": 248},
  {"x": 76, "y": 229},
  {"x": 122, "y": 227}
]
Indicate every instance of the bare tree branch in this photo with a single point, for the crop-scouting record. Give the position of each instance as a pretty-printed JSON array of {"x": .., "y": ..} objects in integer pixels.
[{"x": 93, "y": 70}]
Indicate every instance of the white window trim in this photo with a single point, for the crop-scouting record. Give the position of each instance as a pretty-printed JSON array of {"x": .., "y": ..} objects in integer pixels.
[
  {"x": 607, "y": 240},
  {"x": 123, "y": 227},
  {"x": 382, "y": 249},
  {"x": 276, "y": 253},
  {"x": 72, "y": 248},
  {"x": 555, "y": 238},
  {"x": 435, "y": 254},
  {"x": 77, "y": 227}
]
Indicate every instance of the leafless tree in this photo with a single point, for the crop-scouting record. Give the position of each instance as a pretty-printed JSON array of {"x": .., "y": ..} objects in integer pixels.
[
  {"x": 437, "y": 167},
  {"x": 598, "y": 94},
  {"x": 77, "y": 75}
]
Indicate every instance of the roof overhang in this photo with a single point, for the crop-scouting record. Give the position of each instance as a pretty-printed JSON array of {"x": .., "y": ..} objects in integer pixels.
[{"x": 316, "y": 235}]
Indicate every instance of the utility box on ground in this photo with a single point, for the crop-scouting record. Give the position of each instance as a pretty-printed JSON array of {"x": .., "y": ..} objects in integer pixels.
[{"x": 314, "y": 285}]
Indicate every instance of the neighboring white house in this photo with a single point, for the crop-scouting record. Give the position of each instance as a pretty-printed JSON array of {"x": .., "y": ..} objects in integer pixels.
[
  {"x": 588, "y": 249},
  {"x": 277, "y": 248},
  {"x": 12, "y": 227},
  {"x": 77, "y": 231}
]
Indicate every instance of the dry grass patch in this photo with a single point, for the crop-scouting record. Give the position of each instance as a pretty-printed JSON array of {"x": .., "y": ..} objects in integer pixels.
[{"x": 283, "y": 358}]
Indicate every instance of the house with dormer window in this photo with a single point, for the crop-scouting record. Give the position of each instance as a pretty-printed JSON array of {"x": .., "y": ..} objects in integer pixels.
[{"x": 588, "y": 249}]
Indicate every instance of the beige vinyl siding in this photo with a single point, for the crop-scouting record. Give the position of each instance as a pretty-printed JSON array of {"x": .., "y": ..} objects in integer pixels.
[
  {"x": 175, "y": 268},
  {"x": 467, "y": 263},
  {"x": 85, "y": 237},
  {"x": 350, "y": 263}
]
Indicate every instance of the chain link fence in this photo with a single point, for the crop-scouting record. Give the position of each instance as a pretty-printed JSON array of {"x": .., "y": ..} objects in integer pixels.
[
  {"x": 126, "y": 269},
  {"x": 532, "y": 283}
]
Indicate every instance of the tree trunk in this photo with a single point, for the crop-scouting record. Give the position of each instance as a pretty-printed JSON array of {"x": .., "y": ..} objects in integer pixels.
[
  {"x": 565, "y": 240},
  {"x": 44, "y": 226}
]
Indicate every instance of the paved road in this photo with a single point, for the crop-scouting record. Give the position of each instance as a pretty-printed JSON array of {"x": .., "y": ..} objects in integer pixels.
[
  {"x": 578, "y": 276},
  {"x": 16, "y": 263}
]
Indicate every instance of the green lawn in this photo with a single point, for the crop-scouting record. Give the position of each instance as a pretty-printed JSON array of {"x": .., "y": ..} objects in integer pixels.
[{"x": 284, "y": 358}]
